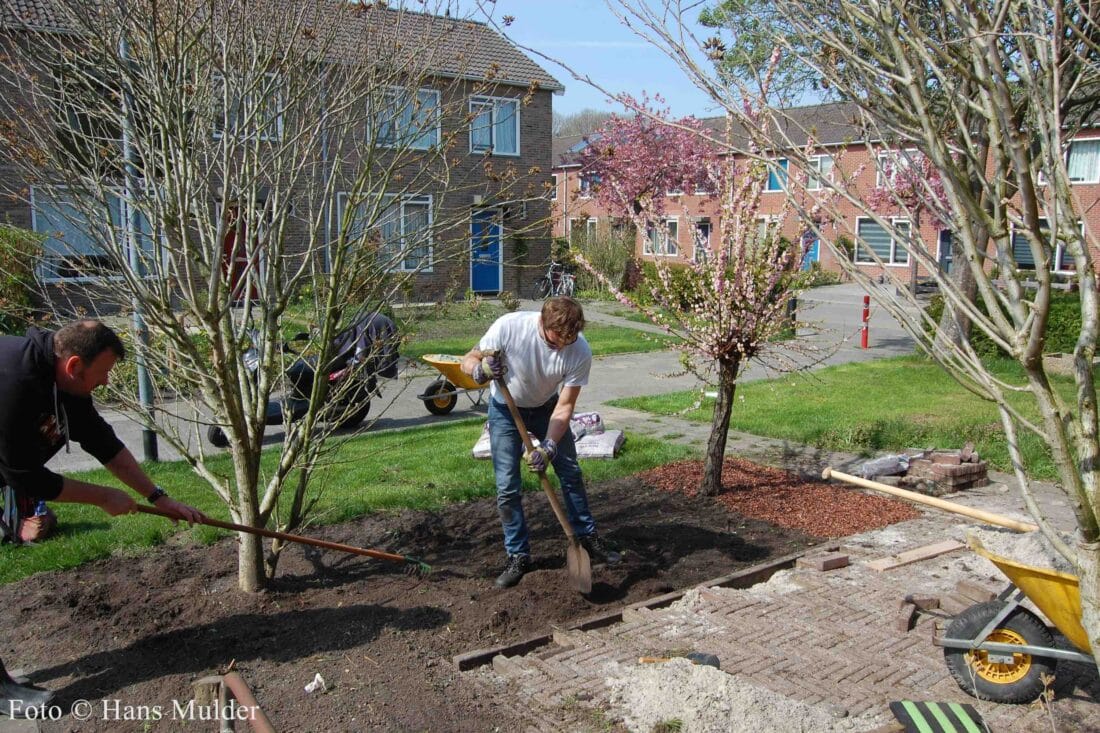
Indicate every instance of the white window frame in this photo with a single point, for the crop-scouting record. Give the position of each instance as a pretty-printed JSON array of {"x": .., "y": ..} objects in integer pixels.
[
  {"x": 815, "y": 179},
  {"x": 221, "y": 117},
  {"x": 44, "y": 273},
  {"x": 665, "y": 241},
  {"x": 590, "y": 228},
  {"x": 1058, "y": 251},
  {"x": 584, "y": 187},
  {"x": 699, "y": 253},
  {"x": 783, "y": 164},
  {"x": 493, "y": 103},
  {"x": 554, "y": 187},
  {"x": 570, "y": 225},
  {"x": 1094, "y": 176},
  {"x": 389, "y": 253},
  {"x": 893, "y": 260},
  {"x": 903, "y": 158},
  {"x": 393, "y": 103}
]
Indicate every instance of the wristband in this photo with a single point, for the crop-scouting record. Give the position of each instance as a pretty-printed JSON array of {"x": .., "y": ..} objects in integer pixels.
[{"x": 158, "y": 493}]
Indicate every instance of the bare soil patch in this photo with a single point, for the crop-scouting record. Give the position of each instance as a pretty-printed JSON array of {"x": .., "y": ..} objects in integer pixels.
[{"x": 137, "y": 631}]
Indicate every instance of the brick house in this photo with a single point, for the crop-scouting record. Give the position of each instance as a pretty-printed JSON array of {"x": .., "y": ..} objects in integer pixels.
[
  {"x": 493, "y": 101},
  {"x": 840, "y": 146}
]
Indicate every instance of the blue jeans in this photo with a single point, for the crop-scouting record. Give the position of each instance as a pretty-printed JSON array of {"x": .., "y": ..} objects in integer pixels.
[{"x": 507, "y": 447}]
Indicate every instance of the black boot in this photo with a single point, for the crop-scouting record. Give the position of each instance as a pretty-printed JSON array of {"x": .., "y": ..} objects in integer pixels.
[
  {"x": 517, "y": 566},
  {"x": 599, "y": 551},
  {"x": 16, "y": 698}
]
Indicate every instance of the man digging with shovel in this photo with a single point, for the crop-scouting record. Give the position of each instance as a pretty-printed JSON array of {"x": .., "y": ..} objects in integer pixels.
[{"x": 543, "y": 351}]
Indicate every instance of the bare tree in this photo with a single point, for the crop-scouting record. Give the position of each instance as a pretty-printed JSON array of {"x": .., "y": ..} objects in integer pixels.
[
  {"x": 579, "y": 123},
  {"x": 231, "y": 172},
  {"x": 992, "y": 94}
]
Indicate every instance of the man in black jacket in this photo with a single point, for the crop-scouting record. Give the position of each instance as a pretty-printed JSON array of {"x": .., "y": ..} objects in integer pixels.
[{"x": 46, "y": 383}]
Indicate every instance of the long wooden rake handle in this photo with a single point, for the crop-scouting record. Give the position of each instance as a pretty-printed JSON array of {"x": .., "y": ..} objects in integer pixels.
[
  {"x": 422, "y": 566},
  {"x": 943, "y": 504}
]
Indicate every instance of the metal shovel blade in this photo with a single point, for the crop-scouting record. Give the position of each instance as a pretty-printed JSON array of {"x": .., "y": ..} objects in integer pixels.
[{"x": 579, "y": 566}]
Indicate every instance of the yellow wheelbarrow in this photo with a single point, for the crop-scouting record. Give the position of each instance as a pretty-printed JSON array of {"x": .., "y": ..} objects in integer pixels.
[
  {"x": 441, "y": 396},
  {"x": 1000, "y": 650}
]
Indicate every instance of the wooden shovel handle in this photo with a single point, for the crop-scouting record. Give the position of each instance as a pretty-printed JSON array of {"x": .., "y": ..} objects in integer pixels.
[
  {"x": 376, "y": 554},
  {"x": 555, "y": 503}
]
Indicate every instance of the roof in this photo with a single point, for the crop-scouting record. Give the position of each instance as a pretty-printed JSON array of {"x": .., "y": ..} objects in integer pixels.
[
  {"x": 566, "y": 150},
  {"x": 460, "y": 48},
  {"x": 832, "y": 124}
]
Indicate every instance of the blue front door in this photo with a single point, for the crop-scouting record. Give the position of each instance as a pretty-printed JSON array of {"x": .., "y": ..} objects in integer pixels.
[
  {"x": 485, "y": 261},
  {"x": 813, "y": 250}
]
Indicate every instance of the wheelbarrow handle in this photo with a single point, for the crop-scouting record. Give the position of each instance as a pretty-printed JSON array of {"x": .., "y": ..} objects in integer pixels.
[{"x": 338, "y": 547}]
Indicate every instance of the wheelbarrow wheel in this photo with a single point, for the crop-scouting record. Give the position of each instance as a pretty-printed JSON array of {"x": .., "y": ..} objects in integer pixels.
[
  {"x": 1017, "y": 681},
  {"x": 437, "y": 399}
]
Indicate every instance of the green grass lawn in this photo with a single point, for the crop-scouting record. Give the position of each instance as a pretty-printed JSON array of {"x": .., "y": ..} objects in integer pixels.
[
  {"x": 879, "y": 406},
  {"x": 456, "y": 327},
  {"x": 423, "y": 468}
]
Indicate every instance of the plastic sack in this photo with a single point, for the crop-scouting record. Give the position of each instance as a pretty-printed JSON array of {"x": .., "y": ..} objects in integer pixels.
[
  {"x": 591, "y": 421},
  {"x": 891, "y": 465}
]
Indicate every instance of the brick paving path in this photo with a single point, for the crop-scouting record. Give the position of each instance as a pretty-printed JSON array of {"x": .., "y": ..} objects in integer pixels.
[{"x": 827, "y": 639}]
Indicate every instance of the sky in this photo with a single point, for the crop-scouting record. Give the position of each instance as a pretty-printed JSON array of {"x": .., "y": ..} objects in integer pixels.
[{"x": 590, "y": 39}]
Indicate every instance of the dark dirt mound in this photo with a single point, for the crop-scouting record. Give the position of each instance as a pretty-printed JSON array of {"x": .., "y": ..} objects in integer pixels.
[{"x": 137, "y": 631}]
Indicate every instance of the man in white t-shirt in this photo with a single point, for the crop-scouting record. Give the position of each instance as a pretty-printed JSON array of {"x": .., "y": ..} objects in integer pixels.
[{"x": 539, "y": 353}]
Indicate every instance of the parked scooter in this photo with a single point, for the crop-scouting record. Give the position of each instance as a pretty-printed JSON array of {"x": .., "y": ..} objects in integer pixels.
[{"x": 362, "y": 353}]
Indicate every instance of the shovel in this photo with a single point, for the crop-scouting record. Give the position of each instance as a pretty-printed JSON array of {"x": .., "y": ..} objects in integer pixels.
[
  {"x": 577, "y": 561},
  {"x": 420, "y": 566}
]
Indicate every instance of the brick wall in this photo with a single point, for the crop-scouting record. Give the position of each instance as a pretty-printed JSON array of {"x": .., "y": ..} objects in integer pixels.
[
  {"x": 471, "y": 178},
  {"x": 570, "y": 206}
]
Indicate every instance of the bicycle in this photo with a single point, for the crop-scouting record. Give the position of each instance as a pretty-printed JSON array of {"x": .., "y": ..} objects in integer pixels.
[{"x": 555, "y": 282}]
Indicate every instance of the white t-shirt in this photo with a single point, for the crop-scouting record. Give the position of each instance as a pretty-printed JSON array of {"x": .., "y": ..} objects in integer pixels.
[{"x": 534, "y": 371}]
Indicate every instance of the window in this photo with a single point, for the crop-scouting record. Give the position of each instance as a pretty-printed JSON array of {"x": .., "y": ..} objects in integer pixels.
[
  {"x": 403, "y": 231},
  {"x": 1084, "y": 161},
  {"x": 587, "y": 184},
  {"x": 72, "y": 249},
  {"x": 1060, "y": 259},
  {"x": 409, "y": 118},
  {"x": 777, "y": 175},
  {"x": 702, "y": 240},
  {"x": 893, "y": 163},
  {"x": 662, "y": 241},
  {"x": 249, "y": 113},
  {"x": 590, "y": 229},
  {"x": 820, "y": 171},
  {"x": 765, "y": 228},
  {"x": 495, "y": 125},
  {"x": 874, "y": 237},
  {"x": 554, "y": 187}
]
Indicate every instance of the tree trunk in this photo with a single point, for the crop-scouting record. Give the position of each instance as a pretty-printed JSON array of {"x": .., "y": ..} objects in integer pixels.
[
  {"x": 250, "y": 563},
  {"x": 250, "y": 551},
  {"x": 1088, "y": 559},
  {"x": 719, "y": 427}
]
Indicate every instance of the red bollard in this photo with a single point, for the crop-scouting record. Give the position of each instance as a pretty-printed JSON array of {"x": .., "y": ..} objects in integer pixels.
[{"x": 866, "y": 321}]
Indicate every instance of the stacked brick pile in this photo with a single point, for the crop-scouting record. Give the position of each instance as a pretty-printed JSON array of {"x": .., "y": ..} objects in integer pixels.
[{"x": 945, "y": 472}]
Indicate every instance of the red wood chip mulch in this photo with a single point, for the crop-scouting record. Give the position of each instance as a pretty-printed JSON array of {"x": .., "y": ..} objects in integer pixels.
[{"x": 786, "y": 499}]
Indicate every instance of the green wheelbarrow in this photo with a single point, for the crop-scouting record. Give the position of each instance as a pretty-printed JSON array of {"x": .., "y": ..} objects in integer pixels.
[{"x": 999, "y": 650}]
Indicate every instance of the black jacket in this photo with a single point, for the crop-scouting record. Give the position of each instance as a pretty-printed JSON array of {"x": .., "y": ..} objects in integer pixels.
[{"x": 33, "y": 417}]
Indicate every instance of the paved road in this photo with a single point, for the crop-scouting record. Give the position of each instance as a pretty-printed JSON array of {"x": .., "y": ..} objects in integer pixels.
[{"x": 831, "y": 314}]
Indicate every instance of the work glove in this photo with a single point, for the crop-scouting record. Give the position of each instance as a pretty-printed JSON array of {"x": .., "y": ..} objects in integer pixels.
[
  {"x": 540, "y": 458},
  {"x": 490, "y": 367}
]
